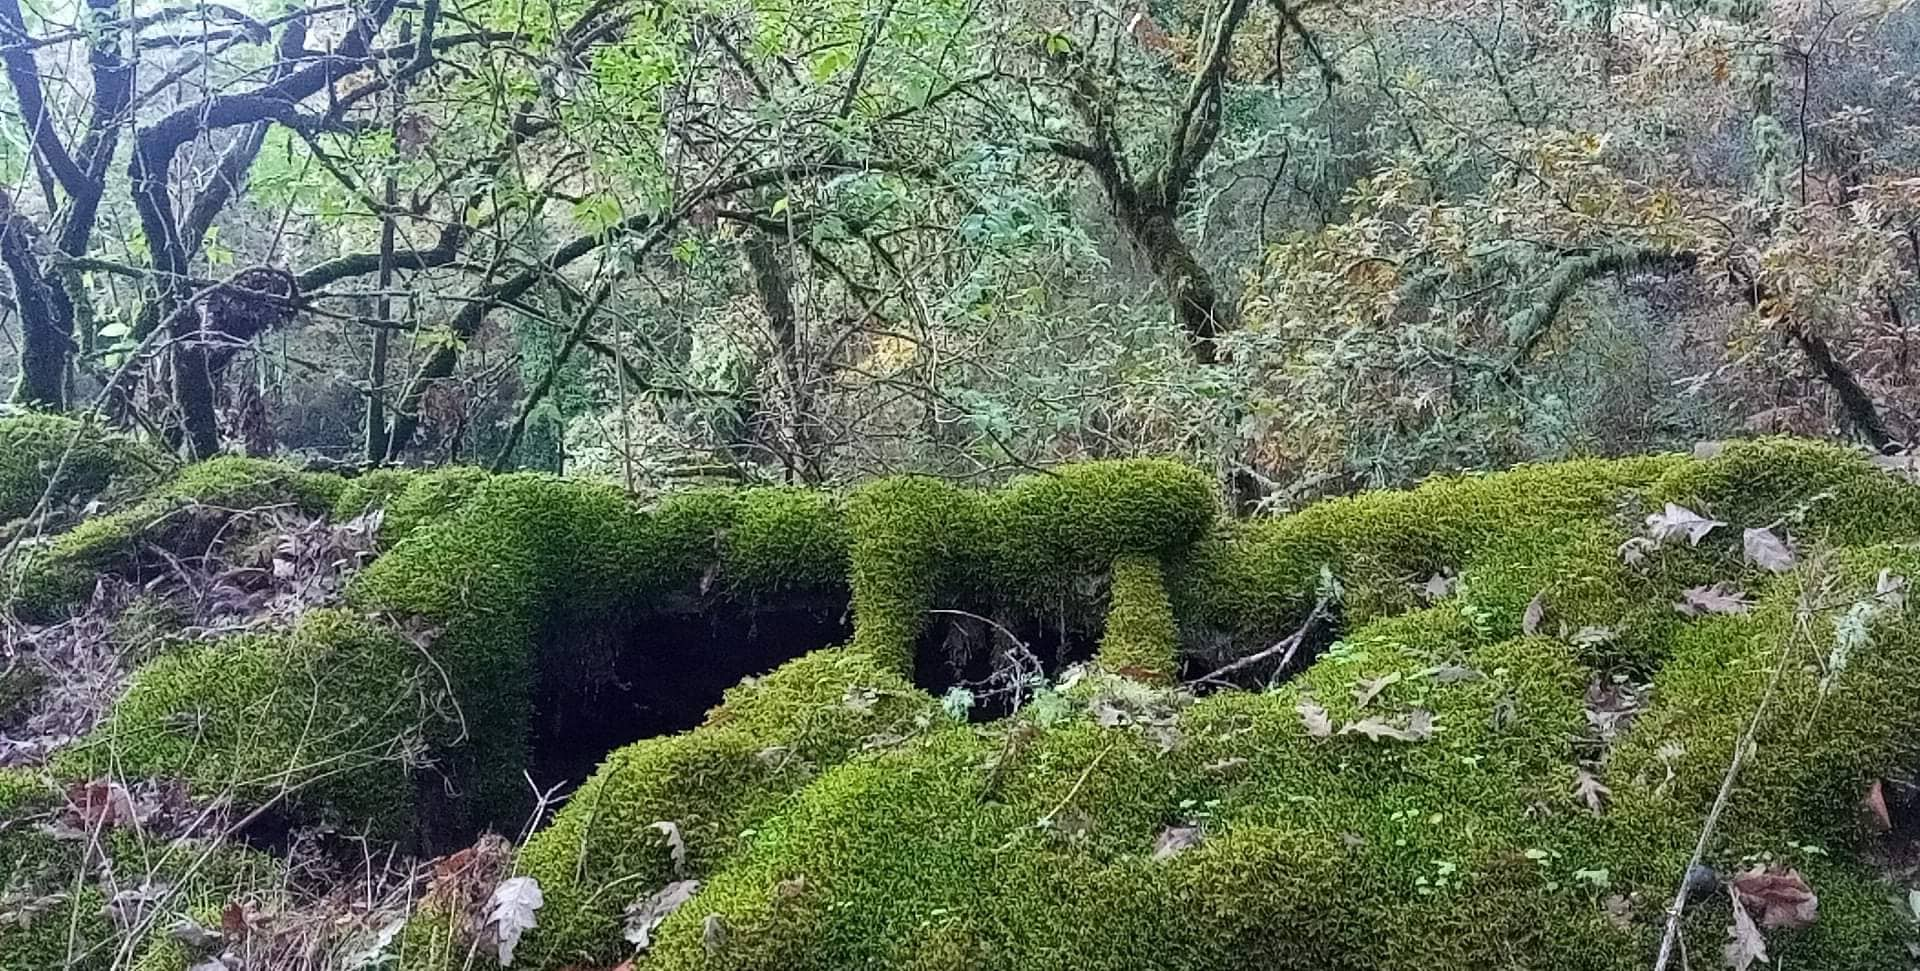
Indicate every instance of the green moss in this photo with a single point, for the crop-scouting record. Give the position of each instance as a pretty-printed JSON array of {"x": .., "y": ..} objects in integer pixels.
[
  {"x": 1140, "y": 640},
  {"x": 56, "y": 888},
  {"x": 915, "y": 538},
  {"x": 327, "y": 716},
  {"x": 1815, "y": 488},
  {"x": 1257, "y": 582},
  {"x": 767, "y": 739},
  {"x": 408, "y": 499},
  {"x": 181, "y": 516},
  {"x": 32, "y": 447}
]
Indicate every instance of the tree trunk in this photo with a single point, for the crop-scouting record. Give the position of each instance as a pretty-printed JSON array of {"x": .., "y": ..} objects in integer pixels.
[
  {"x": 45, "y": 343},
  {"x": 1196, "y": 303}
]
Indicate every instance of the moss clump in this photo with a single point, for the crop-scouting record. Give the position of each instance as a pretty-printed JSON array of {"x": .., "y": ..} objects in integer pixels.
[
  {"x": 767, "y": 739},
  {"x": 181, "y": 516},
  {"x": 1140, "y": 641},
  {"x": 408, "y": 499},
  {"x": 32, "y": 447},
  {"x": 1256, "y": 582},
  {"x": 915, "y": 538},
  {"x": 330, "y": 716},
  {"x": 57, "y": 889}
]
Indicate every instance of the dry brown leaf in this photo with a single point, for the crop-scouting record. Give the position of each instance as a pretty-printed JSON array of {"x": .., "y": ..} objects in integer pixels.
[
  {"x": 1744, "y": 943},
  {"x": 1677, "y": 522},
  {"x": 1781, "y": 897},
  {"x": 646, "y": 914},
  {"x": 1721, "y": 598},
  {"x": 1536, "y": 614},
  {"x": 1370, "y": 689},
  {"x": 1419, "y": 727},
  {"x": 1767, "y": 551},
  {"x": 1175, "y": 840},
  {"x": 1591, "y": 791}
]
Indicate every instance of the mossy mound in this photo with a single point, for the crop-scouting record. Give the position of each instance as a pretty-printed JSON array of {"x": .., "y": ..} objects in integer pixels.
[
  {"x": 1432, "y": 792},
  {"x": 33, "y": 448},
  {"x": 180, "y": 517}
]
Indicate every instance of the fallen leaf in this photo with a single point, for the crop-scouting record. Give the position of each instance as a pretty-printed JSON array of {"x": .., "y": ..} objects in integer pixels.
[
  {"x": 1319, "y": 724},
  {"x": 1591, "y": 791},
  {"x": 1891, "y": 589},
  {"x": 1175, "y": 840},
  {"x": 1634, "y": 551},
  {"x": 1721, "y": 598},
  {"x": 1677, "y": 522},
  {"x": 1419, "y": 727},
  {"x": 1781, "y": 897},
  {"x": 1744, "y": 943},
  {"x": 645, "y": 914},
  {"x": 1767, "y": 551},
  {"x": 1438, "y": 587},
  {"x": 713, "y": 934},
  {"x": 1370, "y": 689},
  {"x": 1452, "y": 674},
  {"x": 510, "y": 910},
  {"x": 194, "y": 935},
  {"x": 1536, "y": 614},
  {"x": 676, "y": 844}
]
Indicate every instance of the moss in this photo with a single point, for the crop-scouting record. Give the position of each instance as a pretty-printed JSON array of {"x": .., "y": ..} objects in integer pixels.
[
  {"x": 181, "y": 516},
  {"x": 1817, "y": 489},
  {"x": 1140, "y": 640},
  {"x": 767, "y": 739},
  {"x": 1256, "y": 582},
  {"x": 328, "y": 716},
  {"x": 32, "y": 447},
  {"x": 55, "y": 916},
  {"x": 407, "y": 498},
  {"x": 914, "y": 538}
]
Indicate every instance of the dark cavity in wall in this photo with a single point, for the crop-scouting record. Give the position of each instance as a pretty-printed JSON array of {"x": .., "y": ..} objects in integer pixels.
[
  {"x": 612, "y": 679},
  {"x": 999, "y": 654}
]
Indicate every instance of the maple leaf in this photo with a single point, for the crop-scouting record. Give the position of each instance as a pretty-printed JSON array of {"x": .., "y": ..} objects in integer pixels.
[
  {"x": 1744, "y": 943},
  {"x": 1438, "y": 587},
  {"x": 1767, "y": 551},
  {"x": 1677, "y": 522},
  {"x": 510, "y": 911},
  {"x": 1782, "y": 897},
  {"x": 1370, "y": 689},
  {"x": 1721, "y": 598},
  {"x": 646, "y": 914},
  {"x": 1591, "y": 791},
  {"x": 1319, "y": 724}
]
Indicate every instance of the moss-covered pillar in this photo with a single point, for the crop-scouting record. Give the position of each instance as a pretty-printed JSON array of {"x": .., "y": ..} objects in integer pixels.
[{"x": 1141, "y": 640}]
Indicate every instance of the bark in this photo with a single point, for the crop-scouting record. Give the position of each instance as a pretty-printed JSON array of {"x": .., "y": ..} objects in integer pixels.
[{"x": 44, "y": 348}]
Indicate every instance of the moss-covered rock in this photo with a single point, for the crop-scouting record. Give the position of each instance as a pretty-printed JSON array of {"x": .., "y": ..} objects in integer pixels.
[
  {"x": 181, "y": 517},
  {"x": 1431, "y": 793},
  {"x": 87, "y": 459}
]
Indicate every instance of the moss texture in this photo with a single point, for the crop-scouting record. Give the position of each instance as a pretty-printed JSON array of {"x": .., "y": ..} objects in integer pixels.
[
  {"x": 57, "y": 888},
  {"x": 1429, "y": 794},
  {"x": 31, "y": 451},
  {"x": 1141, "y": 640}
]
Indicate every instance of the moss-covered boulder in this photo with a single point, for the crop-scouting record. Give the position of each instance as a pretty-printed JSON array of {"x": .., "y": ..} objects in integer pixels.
[
  {"x": 180, "y": 517},
  {"x": 1528, "y": 698},
  {"x": 62, "y": 459}
]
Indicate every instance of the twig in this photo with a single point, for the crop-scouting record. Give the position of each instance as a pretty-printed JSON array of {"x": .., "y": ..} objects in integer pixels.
[
  {"x": 1286, "y": 647},
  {"x": 1741, "y": 749}
]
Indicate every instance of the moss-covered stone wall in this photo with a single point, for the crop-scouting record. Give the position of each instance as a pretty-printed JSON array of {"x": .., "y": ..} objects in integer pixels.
[{"x": 1444, "y": 788}]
